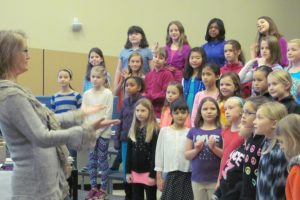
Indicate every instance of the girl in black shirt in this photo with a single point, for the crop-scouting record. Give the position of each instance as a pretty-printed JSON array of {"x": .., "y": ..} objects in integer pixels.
[{"x": 141, "y": 147}]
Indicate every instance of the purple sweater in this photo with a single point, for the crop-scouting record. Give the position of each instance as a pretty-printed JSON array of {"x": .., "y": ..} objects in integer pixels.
[
  {"x": 283, "y": 47},
  {"x": 126, "y": 116},
  {"x": 179, "y": 57}
]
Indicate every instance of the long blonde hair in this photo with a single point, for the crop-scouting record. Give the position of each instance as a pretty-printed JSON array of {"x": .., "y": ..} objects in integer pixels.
[
  {"x": 288, "y": 130},
  {"x": 103, "y": 73},
  {"x": 283, "y": 77},
  {"x": 274, "y": 111},
  {"x": 152, "y": 125}
]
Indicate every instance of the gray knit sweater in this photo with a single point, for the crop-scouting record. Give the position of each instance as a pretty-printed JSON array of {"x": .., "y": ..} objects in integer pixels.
[{"x": 38, "y": 173}]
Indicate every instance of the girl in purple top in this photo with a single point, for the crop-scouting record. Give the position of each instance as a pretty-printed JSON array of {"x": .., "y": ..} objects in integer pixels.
[
  {"x": 177, "y": 47},
  {"x": 203, "y": 148},
  {"x": 157, "y": 80},
  {"x": 267, "y": 27}
]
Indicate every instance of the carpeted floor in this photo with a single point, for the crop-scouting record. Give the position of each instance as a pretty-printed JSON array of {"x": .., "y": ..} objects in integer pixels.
[{"x": 117, "y": 195}]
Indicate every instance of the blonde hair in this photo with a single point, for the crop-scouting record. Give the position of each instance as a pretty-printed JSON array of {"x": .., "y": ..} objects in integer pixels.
[
  {"x": 11, "y": 43},
  {"x": 152, "y": 125},
  {"x": 103, "y": 74},
  {"x": 288, "y": 128},
  {"x": 297, "y": 42},
  {"x": 240, "y": 103},
  {"x": 283, "y": 77},
  {"x": 141, "y": 70},
  {"x": 274, "y": 111}
]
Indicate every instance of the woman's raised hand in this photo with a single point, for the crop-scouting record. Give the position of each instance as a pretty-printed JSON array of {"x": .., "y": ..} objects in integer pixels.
[{"x": 102, "y": 123}]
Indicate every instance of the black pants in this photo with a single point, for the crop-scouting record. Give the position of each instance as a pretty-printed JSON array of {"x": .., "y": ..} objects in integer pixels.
[
  {"x": 138, "y": 192},
  {"x": 128, "y": 191}
]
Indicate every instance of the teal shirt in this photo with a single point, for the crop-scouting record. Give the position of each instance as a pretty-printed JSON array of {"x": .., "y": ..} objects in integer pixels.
[
  {"x": 191, "y": 95},
  {"x": 296, "y": 83}
]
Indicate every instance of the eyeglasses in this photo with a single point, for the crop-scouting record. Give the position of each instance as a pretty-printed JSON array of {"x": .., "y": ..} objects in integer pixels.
[
  {"x": 247, "y": 113},
  {"x": 25, "y": 51}
]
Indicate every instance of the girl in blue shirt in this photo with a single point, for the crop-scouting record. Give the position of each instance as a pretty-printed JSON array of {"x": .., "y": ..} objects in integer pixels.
[
  {"x": 66, "y": 99},
  {"x": 192, "y": 82},
  {"x": 215, "y": 37}
]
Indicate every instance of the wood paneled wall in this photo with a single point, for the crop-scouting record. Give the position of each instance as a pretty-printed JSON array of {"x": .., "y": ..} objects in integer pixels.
[{"x": 41, "y": 78}]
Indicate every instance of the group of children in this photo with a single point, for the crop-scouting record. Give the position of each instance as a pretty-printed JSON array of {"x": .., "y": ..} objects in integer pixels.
[{"x": 197, "y": 123}]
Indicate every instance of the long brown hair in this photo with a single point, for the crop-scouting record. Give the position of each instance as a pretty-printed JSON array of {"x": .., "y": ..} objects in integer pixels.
[
  {"x": 274, "y": 48},
  {"x": 273, "y": 30},
  {"x": 182, "y": 38},
  {"x": 199, "y": 121},
  {"x": 237, "y": 47},
  {"x": 180, "y": 90},
  {"x": 237, "y": 84}
]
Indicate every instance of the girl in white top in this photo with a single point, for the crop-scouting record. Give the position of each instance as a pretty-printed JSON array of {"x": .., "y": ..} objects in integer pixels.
[
  {"x": 99, "y": 94},
  {"x": 170, "y": 158}
]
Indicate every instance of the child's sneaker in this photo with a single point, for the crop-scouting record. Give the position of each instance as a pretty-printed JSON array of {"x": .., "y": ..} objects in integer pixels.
[
  {"x": 101, "y": 195},
  {"x": 91, "y": 194}
]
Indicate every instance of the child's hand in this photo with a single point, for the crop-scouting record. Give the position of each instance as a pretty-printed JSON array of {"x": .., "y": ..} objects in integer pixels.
[
  {"x": 261, "y": 61},
  {"x": 125, "y": 73},
  {"x": 171, "y": 68},
  {"x": 199, "y": 144},
  {"x": 160, "y": 184},
  {"x": 146, "y": 95},
  {"x": 155, "y": 47},
  {"x": 151, "y": 181},
  {"x": 211, "y": 142},
  {"x": 129, "y": 178}
]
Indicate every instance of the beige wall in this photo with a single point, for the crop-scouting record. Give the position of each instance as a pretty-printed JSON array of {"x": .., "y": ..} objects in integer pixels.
[
  {"x": 48, "y": 23},
  {"x": 41, "y": 77},
  {"x": 105, "y": 23}
]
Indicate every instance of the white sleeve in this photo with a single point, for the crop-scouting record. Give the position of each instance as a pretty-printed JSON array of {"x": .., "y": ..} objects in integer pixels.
[
  {"x": 246, "y": 74},
  {"x": 159, "y": 154}
]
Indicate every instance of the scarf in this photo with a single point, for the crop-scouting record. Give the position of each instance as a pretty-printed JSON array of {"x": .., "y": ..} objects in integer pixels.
[{"x": 10, "y": 88}]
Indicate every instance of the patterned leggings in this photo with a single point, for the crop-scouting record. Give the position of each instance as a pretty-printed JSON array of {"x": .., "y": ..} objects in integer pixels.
[{"x": 98, "y": 159}]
